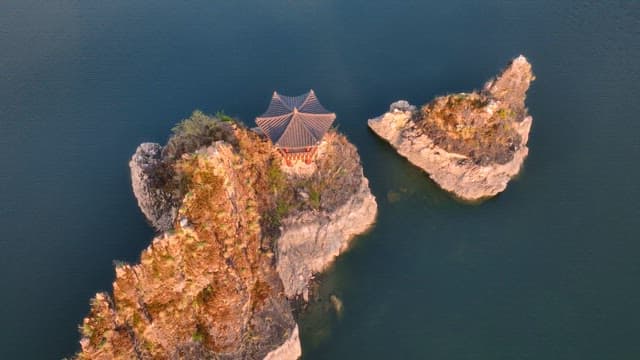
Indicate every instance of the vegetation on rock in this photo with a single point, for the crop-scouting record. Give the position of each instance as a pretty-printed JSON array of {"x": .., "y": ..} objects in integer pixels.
[
  {"x": 479, "y": 125},
  {"x": 336, "y": 178},
  {"x": 197, "y": 131},
  {"x": 471, "y": 144}
]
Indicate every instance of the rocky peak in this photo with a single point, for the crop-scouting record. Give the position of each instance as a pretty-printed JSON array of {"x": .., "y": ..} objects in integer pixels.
[{"x": 512, "y": 84}]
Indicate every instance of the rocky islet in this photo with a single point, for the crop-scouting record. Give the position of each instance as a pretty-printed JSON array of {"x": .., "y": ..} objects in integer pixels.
[{"x": 470, "y": 144}]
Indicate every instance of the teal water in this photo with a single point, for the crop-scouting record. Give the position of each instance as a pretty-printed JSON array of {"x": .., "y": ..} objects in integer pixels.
[{"x": 547, "y": 270}]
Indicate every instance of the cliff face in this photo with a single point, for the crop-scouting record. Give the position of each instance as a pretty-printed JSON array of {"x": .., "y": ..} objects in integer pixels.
[
  {"x": 469, "y": 144},
  {"x": 310, "y": 241},
  {"x": 311, "y": 238},
  {"x": 210, "y": 287},
  {"x": 158, "y": 206}
]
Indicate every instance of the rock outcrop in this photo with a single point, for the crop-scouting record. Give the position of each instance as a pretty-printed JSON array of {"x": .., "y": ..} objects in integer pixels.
[
  {"x": 310, "y": 241},
  {"x": 211, "y": 286},
  {"x": 469, "y": 144},
  {"x": 311, "y": 238},
  {"x": 158, "y": 206}
]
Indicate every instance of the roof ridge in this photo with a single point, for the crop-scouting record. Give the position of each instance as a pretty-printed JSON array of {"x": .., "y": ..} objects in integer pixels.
[
  {"x": 309, "y": 95},
  {"x": 310, "y": 131}
]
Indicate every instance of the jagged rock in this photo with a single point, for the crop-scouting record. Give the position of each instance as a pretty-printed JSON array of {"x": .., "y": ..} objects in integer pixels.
[
  {"x": 469, "y": 144},
  {"x": 158, "y": 206},
  {"x": 512, "y": 85}
]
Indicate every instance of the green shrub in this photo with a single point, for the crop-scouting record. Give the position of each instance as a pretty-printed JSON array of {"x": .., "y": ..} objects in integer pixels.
[
  {"x": 197, "y": 131},
  {"x": 282, "y": 208},
  {"x": 197, "y": 336},
  {"x": 276, "y": 178},
  {"x": 200, "y": 334},
  {"x": 224, "y": 117},
  {"x": 314, "y": 198}
]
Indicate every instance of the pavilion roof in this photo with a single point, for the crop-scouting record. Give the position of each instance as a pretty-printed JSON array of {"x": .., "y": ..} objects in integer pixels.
[{"x": 295, "y": 121}]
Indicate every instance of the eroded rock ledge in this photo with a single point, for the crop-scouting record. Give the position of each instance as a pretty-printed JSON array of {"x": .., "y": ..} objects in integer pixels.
[
  {"x": 240, "y": 238},
  {"x": 310, "y": 241},
  {"x": 469, "y": 144}
]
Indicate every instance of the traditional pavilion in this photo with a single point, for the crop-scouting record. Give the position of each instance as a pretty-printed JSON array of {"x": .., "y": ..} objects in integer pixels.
[{"x": 295, "y": 125}]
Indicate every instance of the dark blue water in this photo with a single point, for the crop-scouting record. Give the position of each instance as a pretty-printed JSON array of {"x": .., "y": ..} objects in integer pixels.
[{"x": 547, "y": 270}]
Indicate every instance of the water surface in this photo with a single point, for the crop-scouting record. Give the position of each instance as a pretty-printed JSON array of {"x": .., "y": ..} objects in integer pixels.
[{"x": 547, "y": 270}]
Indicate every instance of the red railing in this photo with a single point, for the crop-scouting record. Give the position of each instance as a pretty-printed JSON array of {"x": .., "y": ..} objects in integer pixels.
[{"x": 291, "y": 157}]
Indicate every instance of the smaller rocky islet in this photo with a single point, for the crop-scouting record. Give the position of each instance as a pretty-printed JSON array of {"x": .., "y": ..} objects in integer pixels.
[{"x": 470, "y": 144}]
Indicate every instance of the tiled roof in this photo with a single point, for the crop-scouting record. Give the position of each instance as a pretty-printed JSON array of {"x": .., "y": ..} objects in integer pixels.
[{"x": 295, "y": 121}]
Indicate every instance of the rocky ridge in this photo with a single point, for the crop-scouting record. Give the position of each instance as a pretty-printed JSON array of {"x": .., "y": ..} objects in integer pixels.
[
  {"x": 211, "y": 286},
  {"x": 469, "y": 144}
]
